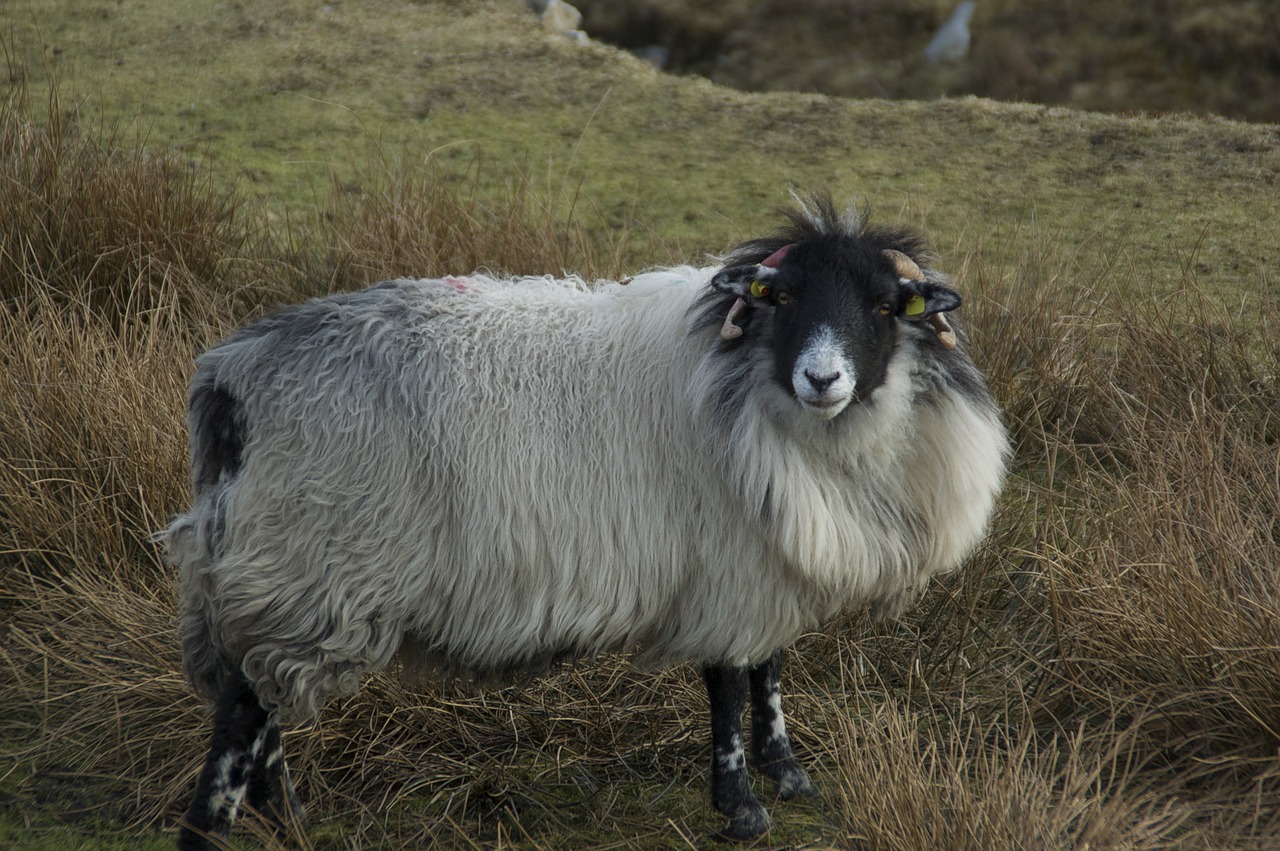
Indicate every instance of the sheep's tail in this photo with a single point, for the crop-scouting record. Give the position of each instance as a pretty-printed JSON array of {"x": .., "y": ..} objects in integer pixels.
[{"x": 193, "y": 540}]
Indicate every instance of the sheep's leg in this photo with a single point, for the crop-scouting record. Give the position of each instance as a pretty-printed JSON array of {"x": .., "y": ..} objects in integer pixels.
[
  {"x": 241, "y": 729},
  {"x": 730, "y": 786},
  {"x": 271, "y": 792},
  {"x": 770, "y": 745}
]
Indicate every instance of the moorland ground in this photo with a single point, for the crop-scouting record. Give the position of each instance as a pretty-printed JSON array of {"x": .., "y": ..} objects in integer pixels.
[{"x": 1102, "y": 675}]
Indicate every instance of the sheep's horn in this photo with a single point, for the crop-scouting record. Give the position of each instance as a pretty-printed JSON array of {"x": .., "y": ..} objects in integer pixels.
[
  {"x": 730, "y": 331},
  {"x": 906, "y": 268},
  {"x": 946, "y": 336},
  {"x": 772, "y": 261}
]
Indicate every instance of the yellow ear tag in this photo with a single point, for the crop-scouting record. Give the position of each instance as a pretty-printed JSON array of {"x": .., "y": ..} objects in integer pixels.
[
  {"x": 915, "y": 306},
  {"x": 760, "y": 290}
]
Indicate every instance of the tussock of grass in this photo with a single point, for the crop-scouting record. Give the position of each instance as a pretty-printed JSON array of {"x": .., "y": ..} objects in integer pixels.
[
  {"x": 82, "y": 400},
  {"x": 91, "y": 219},
  {"x": 906, "y": 781},
  {"x": 1153, "y": 422},
  {"x": 397, "y": 220},
  {"x": 1104, "y": 675}
]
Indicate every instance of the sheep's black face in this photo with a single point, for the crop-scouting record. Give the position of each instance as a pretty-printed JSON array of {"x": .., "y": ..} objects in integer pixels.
[
  {"x": 833, "y": 308},
  {"x": 834, "y": 324}
]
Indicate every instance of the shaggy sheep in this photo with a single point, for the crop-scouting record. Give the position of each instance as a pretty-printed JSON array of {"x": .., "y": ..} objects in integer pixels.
[{"x": 491, "y": 475}]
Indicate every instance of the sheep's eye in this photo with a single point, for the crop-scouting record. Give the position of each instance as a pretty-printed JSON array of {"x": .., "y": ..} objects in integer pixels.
[
  {"x": 784, "y": 299},
  {"x": 885, "y": 308}
]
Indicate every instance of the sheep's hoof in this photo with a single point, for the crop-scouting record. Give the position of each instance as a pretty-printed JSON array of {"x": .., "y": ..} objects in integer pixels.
[
  {"x": 745, "y": 823},
  {"x": 285, "y": 827},
  {"x": 793, "y": 782},
  {"x": 790, "y": 780},
  {"x": 285, "y": 819}
]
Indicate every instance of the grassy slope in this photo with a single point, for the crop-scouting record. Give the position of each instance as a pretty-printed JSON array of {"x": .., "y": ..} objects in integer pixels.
[{"x": 279, "y": 95}]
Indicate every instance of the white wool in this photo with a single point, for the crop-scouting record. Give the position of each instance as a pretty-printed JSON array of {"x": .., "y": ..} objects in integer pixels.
[{"x": 510, "y": 472}]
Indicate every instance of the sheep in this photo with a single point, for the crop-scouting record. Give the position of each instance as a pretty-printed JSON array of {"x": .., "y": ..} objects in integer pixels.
[{"x": 490, "y": 476}]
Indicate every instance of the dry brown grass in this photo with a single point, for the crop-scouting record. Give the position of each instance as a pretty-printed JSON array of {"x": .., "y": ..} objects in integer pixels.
[
  {"x": 396, "y": 219},
  {"x": 1105, "y": 675},
  {"x": 96, "y": 220}
]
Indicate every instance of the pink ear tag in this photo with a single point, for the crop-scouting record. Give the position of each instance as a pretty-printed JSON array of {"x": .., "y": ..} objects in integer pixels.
[{"x": 772, "y": 261}]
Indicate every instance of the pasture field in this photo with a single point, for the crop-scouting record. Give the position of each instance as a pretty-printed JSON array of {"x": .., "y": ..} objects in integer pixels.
[{"x": 1105, "y": 674}]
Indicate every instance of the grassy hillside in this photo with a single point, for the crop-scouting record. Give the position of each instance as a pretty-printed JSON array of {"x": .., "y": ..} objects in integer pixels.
[
  {"x": 1103, "y": 675},
  {"x": 277, "y": 98}
]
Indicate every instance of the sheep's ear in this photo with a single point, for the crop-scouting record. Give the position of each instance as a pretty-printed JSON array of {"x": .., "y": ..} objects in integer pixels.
[
  {"x": 754, "y": 282},
  {"x": 923, "y": 299}
]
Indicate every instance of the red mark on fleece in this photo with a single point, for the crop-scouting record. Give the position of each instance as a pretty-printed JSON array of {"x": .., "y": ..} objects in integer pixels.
[
  {"x": 459, "y": 284},
  {"x": 772, "y": 261}
]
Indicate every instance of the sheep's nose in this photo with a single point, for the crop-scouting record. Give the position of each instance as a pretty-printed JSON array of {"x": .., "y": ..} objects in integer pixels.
[{"x": 821, "y": 382}]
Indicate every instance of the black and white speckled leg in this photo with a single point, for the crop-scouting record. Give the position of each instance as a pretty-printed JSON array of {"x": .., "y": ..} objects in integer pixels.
[
  {"x": 271, "y": 792},
  {"x": 770, "y": 745},
  {"x": 242, "y": 734},
  {"x": 730, "y": 785}
]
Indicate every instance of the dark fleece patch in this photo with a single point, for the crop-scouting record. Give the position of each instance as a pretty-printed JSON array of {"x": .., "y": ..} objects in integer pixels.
[{"x": 217, "y": 424}]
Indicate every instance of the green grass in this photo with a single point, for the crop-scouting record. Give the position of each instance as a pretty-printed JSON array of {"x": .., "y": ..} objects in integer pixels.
[{"x": 95, "y": 834}]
